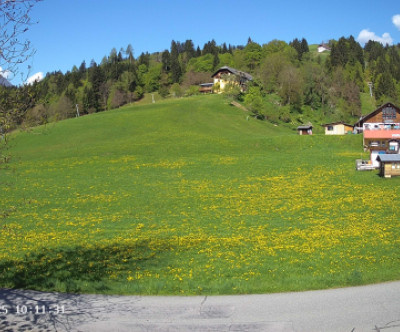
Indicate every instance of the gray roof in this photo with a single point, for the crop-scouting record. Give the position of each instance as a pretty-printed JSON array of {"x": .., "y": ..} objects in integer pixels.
[
  {"x": 305, "y": 127},
  {"x": 387, "y": 158},
  {"x": 234, "y": 71},
  {"x": 337, "y": 123}
]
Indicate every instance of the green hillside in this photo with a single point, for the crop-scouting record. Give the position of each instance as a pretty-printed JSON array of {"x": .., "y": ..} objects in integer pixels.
[{"x": 191, "y": 196}]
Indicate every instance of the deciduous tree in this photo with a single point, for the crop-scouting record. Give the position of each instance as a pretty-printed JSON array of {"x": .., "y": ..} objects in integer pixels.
[
  {"x": 291, "y": 86},
  {"x": 15, "y": 20}
]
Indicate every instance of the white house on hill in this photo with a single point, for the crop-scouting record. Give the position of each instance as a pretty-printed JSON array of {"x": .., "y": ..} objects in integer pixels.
[{"x": 323, "y": 47}]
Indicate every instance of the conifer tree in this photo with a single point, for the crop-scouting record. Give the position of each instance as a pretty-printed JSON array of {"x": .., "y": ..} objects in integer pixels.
[
  {"x": 198, "y": 51},
  {"x": 189, "y": 49},
  {"x": 176, "y": 71},
  {"x": 215, "y": 61},
  {"x": 166, "y": 61},
  {"x": 129, "y": 53},
  {"x": 82, "y": 67},
  {"x": 304, "y": 47}
]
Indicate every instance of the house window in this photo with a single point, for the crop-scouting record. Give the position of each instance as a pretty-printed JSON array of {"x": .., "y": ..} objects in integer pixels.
[
  {"x": 330, "y": 128},
  {"x": 394, "y": 146},
  {"x": 388, "y": 113}
]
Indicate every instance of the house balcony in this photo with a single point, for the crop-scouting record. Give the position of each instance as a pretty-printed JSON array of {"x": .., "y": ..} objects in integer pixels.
[
  {"x": 382, "y": 134},
  {"x": 384, "y": 140},
  {"x": 381, "y": 126}
]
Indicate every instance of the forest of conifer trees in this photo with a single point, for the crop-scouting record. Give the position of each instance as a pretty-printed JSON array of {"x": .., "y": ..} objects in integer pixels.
[{"x": 290, "y": 77}]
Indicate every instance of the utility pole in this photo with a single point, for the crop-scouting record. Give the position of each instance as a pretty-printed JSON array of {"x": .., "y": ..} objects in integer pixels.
[{"x": 370, "y": 84}]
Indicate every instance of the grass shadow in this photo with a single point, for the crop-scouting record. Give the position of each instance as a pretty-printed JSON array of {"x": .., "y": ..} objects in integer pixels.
[{"x": 78, "y": 269}]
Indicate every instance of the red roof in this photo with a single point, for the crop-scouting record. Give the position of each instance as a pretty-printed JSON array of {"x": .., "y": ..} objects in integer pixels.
[{"x": 391, "y": 133}]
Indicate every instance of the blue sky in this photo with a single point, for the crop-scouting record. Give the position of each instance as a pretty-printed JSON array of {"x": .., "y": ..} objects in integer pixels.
[{"x": 70, "y": 31}]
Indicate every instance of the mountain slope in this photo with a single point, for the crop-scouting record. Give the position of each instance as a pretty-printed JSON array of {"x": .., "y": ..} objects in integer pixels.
[
  {"x": 190, "y": 196},
  {"x": 5, "y": 82}
]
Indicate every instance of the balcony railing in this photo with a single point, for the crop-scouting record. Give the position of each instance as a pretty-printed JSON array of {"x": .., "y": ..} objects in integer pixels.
[{"x": 382, "y": 126}]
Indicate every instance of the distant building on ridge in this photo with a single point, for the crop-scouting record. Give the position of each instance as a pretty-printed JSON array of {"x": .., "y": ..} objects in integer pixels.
[{"x": 323, "y": 47}]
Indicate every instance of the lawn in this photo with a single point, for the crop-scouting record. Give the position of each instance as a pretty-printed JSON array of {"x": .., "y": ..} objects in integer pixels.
[{"x": 190, "y": 196}]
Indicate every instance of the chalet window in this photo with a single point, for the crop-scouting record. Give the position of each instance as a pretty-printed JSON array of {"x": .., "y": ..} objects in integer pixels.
[
  {"x": 388, "y": 113},
  {"x": 330, "y": 128}
]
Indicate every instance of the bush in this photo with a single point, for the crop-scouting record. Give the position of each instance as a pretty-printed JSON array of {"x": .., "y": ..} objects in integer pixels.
[
  {"x": 36, "y": 116},
  {"x": 232, "y": 90},
  {"x": 176, "y": 90},
  {"x": 138, "y": 94},
  {"x": 192, "y": 90},
  {"x": 117, "y": 98},
  {"x": 163, "y": 91},
  {"x": 254, "y": 101}
]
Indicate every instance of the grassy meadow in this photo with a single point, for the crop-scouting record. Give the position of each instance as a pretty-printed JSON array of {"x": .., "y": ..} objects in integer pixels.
[{"x": 190, "y": 196}]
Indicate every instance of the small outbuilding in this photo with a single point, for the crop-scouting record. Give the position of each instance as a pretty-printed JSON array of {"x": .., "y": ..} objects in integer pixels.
[
  {"x": 390, "y": 165},
  {"x": 338, "y": 128},
  {"x": 305, "y": 130},
  {"x": 206, "y": 87}
]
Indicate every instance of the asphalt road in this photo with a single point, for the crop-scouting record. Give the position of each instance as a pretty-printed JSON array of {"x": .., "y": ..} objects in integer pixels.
[{"x": 366, "y": 308}]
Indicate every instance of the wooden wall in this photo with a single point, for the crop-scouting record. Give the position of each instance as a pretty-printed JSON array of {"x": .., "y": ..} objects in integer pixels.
[{"x": 389, "y": 171}]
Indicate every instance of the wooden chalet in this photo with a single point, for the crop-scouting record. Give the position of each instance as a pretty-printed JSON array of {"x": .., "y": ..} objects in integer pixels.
[
  {"x": 389, "y": 165},
  {"x": 386, "y": 114},
  {"x": 338, "y": 128},
  {"x": 381, "y": 132},
  {"x": 227, "y": 75}
]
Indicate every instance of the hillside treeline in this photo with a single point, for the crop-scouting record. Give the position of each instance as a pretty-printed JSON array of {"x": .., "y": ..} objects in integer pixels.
[{"x": 289, "y": 79}]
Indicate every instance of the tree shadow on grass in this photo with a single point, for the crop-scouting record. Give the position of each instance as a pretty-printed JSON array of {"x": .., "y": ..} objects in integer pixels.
[
  {"x": 69, "y": 270},
  {"x": 78, "y": 269}
]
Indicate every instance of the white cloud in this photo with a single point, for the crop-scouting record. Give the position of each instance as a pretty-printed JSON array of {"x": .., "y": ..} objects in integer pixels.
[
  {"x": 5, "y": 73},
  {"x": 396, "y": 21},
  {"x": 35, "y": 78},
  {"x": 366, "y": 35}
]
